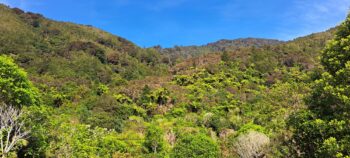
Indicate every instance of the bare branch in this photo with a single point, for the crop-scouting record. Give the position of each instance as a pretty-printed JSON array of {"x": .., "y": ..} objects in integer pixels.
[
  {"x": 251, "y": 145},
  {"x": 11, "y": 129}
]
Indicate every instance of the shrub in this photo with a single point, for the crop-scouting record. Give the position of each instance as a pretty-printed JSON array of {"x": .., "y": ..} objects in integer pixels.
[
  {"x": 154, "y": 141},
  {"x": 195, "y": 146},
  {"x": 15, "y": 88},
  {"x": 102, "y": 89}
]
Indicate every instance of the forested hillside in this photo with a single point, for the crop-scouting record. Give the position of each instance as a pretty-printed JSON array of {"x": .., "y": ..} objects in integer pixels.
[
  {"x": 219, "y": 46},
  {"x": 77, "y": 91}
]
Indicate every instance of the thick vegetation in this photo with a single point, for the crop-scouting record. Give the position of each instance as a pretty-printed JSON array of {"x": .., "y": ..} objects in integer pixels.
[
  {"x": 323, "y": 129},
  {"x": 86, "y": 93}
]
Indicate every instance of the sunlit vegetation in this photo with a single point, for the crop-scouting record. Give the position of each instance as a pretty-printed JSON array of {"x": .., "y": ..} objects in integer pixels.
[{"x": 83, "y": 92}]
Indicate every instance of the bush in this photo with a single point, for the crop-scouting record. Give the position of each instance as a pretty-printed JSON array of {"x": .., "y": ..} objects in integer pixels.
[
  {"x": 196, "y": 146},
  {"x": 15, "y": 88},
  {"x": 251, "y": 127},
  {"x": 102, "y": 89},
  {"x": 83, "y": 141},
  {"x": 154, "y": 142},
  {"x": 110, "y": 112}
]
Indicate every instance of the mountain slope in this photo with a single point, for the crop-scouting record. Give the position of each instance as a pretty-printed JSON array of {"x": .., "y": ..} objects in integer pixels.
[
  {"x": 36, "y": 42},
  {"x": 103, "y": 96},
  {"x": 218, "y": 46},
  {"x": 39, "y": 29},
  {"x": 266, "y": 56},
  {"x": 243, "y": 42}
]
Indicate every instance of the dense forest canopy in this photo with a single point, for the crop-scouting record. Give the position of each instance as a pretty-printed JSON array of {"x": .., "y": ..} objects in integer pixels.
[{"x": 71, "y": 90}]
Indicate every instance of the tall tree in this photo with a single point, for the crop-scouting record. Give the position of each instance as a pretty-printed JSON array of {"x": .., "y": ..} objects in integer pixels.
[
  {"x": 16, "y": 91},
  {"x": 324, "y": 129}
]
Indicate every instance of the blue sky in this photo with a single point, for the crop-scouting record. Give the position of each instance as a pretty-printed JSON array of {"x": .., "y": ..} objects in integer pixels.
[{"x": 194, "y": 22}]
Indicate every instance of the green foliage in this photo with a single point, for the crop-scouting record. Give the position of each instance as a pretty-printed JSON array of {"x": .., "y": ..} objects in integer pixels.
[
  {"x": 90, "y": 48},
  {"x": 183, "y": 80},
  {"x": 264, "y": 61},
  {"x": 123, "y": 99},
  {"x": 195, "y": 146},
  {"x": 251, "y": 127},
  {"x": 154, "y": 141},
  {"x": 315, "y": 136},
  {"x": 178, "y": 112},
  {"x": 323, "y": 130},
  {"x": 150, "y": 56},
  {"x": 225, "y": 57},
  {"x": 85, "y": 142},
  {"x": 152, "y": 99},
  {"x": 111, "y": 112},
  {"x": 330, "y": 148},
  {"x": 336, "y": 53},
  {"x": 37, "y": 119},
  {"x": 144, "y": 98},
  {"x": 160, "y": 96},
  {"x": 102, "y": 89},
  {"x": 15, "y": 88}
]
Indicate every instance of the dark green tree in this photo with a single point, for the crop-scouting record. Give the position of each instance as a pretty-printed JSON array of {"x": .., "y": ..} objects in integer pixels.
[
  {"x": 144, "y": 96},
  {"x": 225, "y": 57}
]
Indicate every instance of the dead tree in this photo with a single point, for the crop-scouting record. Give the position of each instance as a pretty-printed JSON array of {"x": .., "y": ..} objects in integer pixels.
[
  {"x": 11, "y": 129},
  {"x": 251, "y": 145}
]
